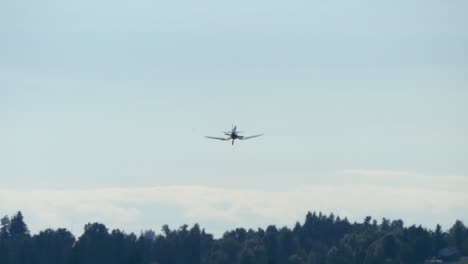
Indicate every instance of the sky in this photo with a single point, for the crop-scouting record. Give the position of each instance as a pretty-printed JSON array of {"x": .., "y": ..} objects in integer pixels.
[{"x": 104, "y": 106}]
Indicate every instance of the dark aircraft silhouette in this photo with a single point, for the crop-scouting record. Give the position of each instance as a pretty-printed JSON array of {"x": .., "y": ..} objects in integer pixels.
[{"x": 233, "y": 135}]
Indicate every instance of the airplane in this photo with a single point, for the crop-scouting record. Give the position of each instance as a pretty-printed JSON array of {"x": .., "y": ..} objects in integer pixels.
[{"x": 234, "y": 134}]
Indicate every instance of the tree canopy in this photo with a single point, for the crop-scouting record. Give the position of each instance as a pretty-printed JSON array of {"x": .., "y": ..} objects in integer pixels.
[{"x": 319, "y": 239}]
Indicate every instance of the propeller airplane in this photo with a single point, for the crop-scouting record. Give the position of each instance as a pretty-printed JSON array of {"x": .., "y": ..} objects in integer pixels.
[{"x": 233, "y": 135}]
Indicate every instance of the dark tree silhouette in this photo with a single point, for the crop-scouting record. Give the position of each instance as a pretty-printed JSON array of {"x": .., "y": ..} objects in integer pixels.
[
  {"x": 17, "y": 227},
  {"x": 457, "y": 234},
  {"x": 320, "y": 239}
]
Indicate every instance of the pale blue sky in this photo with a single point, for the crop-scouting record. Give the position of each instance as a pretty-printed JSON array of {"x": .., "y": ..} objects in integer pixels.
[{"x": 104, "y": 94}]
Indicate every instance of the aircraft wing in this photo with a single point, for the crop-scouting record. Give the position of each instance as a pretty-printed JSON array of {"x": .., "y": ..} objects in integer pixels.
[
  {"x": 249, "y": 137},
  {"x": 218, "y": 138}
]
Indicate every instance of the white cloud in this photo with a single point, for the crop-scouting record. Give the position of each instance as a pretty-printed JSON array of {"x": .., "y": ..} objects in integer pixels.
[{"x": 128, "y": 208}]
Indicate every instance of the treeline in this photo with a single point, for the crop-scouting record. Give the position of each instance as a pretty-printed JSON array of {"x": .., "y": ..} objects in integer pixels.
[{"x": 319, "y": 239}]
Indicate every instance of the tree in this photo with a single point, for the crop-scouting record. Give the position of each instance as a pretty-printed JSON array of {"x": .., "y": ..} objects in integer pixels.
[
  {"x": 5, "y": 228},
  {"x": 367, "y": 221},
  {"x": 321, "y": 239},
  {"x": 93, "y": 246},
  {"x": 270, "y": 241},
  {"x": 397, "y": 224},
  {"x": 17, "y": 227},
  {"x": 457, "y": 233},
  {"x": 385, "y": 226},
  {"x": 438, "y": 240},
  {"x": 419, "y": 241},
  {"x": 52, "y": 246},
  {"x": 4, "y": 236}
]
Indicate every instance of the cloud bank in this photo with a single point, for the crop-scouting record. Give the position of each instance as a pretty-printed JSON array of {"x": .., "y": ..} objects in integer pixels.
[{"x": 218, "y": 209}]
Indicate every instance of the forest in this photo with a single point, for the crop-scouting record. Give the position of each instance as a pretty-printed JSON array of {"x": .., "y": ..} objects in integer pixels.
[{"x": 319, "y": 238}]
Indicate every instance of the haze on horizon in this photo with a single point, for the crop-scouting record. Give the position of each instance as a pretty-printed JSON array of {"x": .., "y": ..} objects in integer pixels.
[{"x": 104, "y": 105}]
